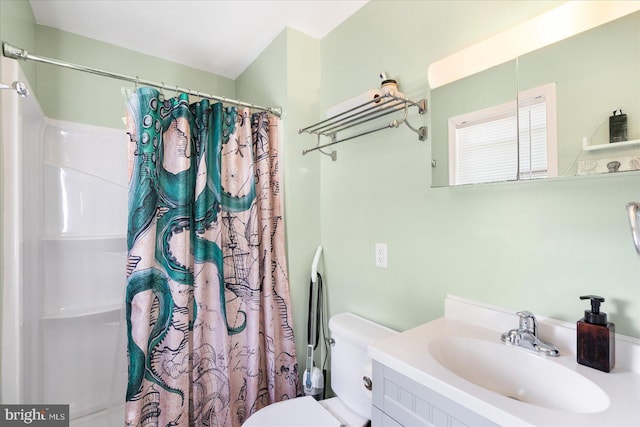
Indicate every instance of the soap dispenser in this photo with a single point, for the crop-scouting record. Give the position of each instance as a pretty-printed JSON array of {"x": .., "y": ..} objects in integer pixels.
[{"x": 596, "y": 337}]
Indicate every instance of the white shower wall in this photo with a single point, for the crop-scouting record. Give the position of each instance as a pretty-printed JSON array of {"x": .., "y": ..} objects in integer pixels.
[
  {"x": 84, "y": 258},
  {"x": 64, "y": 207},
  {"x": 85, "y": 219}
]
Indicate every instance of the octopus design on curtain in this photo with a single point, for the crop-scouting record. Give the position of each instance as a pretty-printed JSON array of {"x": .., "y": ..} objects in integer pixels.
[{"x": 210, "y": 339}]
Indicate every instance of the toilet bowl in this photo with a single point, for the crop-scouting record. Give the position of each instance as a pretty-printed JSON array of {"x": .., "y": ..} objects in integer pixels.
[
  {"x": 306, "y": 412},
  {"x": 350, "y": 364}
]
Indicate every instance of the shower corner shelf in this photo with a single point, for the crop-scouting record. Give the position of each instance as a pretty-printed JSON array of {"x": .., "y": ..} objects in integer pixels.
[
  {"x": 83, "y": 238},
  {"x": 111, "y": 309},
  {"x": 364, "y": 113}
]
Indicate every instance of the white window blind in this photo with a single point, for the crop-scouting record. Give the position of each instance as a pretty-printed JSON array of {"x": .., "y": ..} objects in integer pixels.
[
  {"x": 486, "y": 148},
  {"x": 533, "y": 139},
  {"x": 486, "y": 151}
]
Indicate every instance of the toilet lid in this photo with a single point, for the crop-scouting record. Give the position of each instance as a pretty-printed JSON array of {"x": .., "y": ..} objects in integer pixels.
[{"x": 302, "y": 411}]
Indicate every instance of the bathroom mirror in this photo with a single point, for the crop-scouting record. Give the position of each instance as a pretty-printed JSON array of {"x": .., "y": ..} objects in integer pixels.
[{"x": 593, "y": 74}]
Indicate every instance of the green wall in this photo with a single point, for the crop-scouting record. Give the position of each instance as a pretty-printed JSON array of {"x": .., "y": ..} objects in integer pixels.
[
  {"x": 287, "y": 73},
  {"x": 72, "y": 95},
  {"x": 535, "y": 246}
]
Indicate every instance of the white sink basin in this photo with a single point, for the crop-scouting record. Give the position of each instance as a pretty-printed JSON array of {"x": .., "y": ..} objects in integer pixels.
[{"x": 519, "y": 374}]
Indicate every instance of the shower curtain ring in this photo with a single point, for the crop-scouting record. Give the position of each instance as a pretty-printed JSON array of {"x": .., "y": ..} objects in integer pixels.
[
  {"x": 136, "y": 83},
  {"x": 176, "y": 91}
]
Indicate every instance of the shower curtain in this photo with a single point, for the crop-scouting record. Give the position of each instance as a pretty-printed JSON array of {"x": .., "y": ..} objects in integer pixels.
[{"x": 210, "y": 339}]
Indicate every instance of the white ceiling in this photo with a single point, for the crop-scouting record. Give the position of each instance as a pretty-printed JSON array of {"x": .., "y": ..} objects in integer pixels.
[{"x": 219, "y": 36}]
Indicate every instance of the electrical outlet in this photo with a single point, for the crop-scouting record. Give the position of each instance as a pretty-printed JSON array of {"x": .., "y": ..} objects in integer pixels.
[{"x": 381, "y": 255}]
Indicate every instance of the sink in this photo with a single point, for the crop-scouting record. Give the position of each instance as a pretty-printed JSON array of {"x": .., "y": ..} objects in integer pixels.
[
  {"x": 519, "y": 374},
  {"x": 455, "y": 361}
]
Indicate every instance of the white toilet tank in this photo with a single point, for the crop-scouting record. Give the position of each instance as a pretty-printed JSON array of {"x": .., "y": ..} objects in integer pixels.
[{"x": 351, "y": 335}]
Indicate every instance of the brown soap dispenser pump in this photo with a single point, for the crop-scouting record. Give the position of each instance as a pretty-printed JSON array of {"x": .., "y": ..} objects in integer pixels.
[{"x": 596, "y": 337}]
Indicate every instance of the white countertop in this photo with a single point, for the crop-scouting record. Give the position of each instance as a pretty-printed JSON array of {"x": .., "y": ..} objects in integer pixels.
[{"x": 408, "y": 353}]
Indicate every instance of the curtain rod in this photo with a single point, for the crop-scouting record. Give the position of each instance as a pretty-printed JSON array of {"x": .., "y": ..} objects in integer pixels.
[{"x": 14, "y": 52}]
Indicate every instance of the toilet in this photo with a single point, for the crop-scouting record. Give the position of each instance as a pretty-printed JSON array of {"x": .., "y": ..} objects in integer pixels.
[{"x": 351, "y": 335}]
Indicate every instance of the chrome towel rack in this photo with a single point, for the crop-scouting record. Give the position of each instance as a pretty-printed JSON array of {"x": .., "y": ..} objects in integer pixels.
[{"x": 364, "y": 113}]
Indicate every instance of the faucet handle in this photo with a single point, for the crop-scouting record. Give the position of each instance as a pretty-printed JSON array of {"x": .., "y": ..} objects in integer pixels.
[{"x": 528, "y": 322}]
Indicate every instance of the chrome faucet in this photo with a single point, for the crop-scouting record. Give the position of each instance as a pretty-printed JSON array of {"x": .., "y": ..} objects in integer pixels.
[{"x": 526, "y": 336}]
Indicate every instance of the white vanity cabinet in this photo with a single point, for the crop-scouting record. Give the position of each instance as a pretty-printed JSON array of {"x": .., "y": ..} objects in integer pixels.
[{"x": 399, "y": 401}]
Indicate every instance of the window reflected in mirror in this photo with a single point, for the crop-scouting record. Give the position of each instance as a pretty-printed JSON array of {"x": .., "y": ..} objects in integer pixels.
[{"x": 484, "y": 145}]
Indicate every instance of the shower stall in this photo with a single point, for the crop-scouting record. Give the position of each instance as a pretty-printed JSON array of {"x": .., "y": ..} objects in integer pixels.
[{"x": 64, "y": 203}]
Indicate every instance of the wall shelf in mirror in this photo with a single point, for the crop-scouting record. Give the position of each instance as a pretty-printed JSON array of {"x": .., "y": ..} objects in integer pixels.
[
  {"x": 586, "y": 146},
  {"x": 360, "y": 115},
  {"x": 606, "y": 158}
]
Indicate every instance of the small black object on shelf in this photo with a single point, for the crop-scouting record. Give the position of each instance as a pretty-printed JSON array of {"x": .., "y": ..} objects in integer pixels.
[{"x": 617, "y": 127}]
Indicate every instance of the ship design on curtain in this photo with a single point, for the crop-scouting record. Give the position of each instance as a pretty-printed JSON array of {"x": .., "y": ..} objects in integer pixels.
[{"x": 210, "y": 339}]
